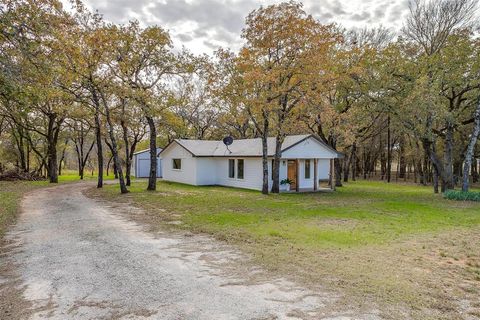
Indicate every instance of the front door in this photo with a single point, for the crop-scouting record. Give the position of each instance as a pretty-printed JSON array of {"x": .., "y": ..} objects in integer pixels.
[{"x": 292, "y": 173}]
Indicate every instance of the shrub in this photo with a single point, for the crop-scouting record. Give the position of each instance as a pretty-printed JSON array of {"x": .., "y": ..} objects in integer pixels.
[
  {"x": 286, "y": 181},
  {"x": 462, "y": 196}
]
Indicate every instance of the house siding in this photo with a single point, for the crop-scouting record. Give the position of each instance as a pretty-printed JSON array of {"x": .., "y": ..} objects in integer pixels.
[
  {"x": 188, "y": 173},
  {"x": 206, "y": 171},
  {"x": 253, "y": 173},
  {"x": 214, "y": 170},
  {"x": 308, "y": 149}
]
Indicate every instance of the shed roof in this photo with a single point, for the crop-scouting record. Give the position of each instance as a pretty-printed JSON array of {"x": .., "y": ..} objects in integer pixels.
[
  {"x": 242, "y": 147},
  {"x": 147, "y": 150}
]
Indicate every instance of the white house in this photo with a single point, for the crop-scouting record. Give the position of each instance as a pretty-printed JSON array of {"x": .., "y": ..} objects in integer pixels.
[
  {"x": 305, "y": 160},
  {"x": 141, "y": 164}
]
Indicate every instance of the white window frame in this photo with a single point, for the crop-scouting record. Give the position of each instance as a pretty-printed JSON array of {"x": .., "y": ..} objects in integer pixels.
[
  {"x": 243, "y": 169},
  {"x": 235, "y": 169},
  {"x": 309, "y": 169}
]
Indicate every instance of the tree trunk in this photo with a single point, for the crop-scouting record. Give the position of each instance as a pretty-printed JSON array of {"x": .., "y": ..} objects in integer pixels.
[
  {"x": 152, "y": 179},
  {"x": 82, "y": 158},
  {"x": 474, "y": 170},
  {"x": 383, "y": 161},
  {"x": 276, "y": 163},
  {"x": 19, "y": 137},
  {"x": 116, "y": 159},
  {"x": 457, "y": 171},
  {"x": 429, "y": 148},
  {"x": 108, "y": 164},
  {"x": 62, "y": 158},
  {"x": 265, "y": 131},
  {"x": 60, "y": 162},
  {"x": 98, "y": 138},
  {"x": 389, "y": 152},
  {"x": 354, "y": 164},
  {"x": 419, "y": 171},
  {"x": 81, "y": 171},
  {"x": 349, "y": 162},
  {"x": 52, "y": 162},
  {"x": 426, "y": 171},
  {"x": 435, "y": 180},
  {"x": 448, "y": 181},
  {"x": 338, "y": 173},
  {"x": 128, "y": 163},
  {"x": 19, "y": 141},
  {"x": 402, "y": 166},
  {"x": 52, "y": 139},
  {"x": 471, "y": 148},
  {"x": 364, "y": 163}
]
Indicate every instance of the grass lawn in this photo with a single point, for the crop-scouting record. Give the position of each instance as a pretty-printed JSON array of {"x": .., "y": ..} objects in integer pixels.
[{"x": 398, "y": 248}]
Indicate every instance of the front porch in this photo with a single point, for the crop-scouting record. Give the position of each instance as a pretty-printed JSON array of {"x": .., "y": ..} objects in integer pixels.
[
  {"x": 310, "y": 190},
  {"x": 308, "y": 175}
]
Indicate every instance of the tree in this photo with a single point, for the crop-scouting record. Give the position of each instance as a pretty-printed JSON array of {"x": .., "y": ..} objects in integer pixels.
[
  {"x": 133, "y": 131},
  {"x": 79, "y": 134},
  {"x": 87, "y": 55},
  {"x": 142, "y": 60},
  {"x": 283, "y": 46},
  {"x": 430, "y": 25},
  {"x": 246, "y": 92},
  {"x": 84, "y": 55},
  {"x": 196, "y": 105},
  {"x": 36, "y": 46}
]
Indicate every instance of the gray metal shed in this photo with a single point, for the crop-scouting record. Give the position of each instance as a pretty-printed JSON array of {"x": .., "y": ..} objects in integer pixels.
[{"x": 141, "y": 164}]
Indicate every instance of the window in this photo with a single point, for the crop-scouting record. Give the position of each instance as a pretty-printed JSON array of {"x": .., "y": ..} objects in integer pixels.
[
  {"x": 307, "y": 169},
  {"x": 231, "y": 168},
  {"x": 240, "y": 169},
  {"x": 177, "y": 164}
]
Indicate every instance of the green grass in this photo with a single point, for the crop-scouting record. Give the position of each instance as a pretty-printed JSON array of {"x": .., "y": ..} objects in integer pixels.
[
  {"x": 387, "y": 245},
  {"x": 361, "y": 214}
]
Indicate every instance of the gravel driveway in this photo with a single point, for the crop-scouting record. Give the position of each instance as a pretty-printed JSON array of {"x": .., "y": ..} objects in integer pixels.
[{"x": 77, "y": 258}]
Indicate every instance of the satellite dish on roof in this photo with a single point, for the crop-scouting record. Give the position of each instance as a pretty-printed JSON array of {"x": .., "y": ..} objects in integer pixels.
[{"x": 228, "y": 141}]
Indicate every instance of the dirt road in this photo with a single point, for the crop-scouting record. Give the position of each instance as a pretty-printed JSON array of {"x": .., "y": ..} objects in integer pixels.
[{"x": 77, "y": 258}]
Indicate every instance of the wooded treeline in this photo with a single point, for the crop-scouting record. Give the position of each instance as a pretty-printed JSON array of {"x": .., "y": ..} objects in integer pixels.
[{"x": 396, "y": 105}]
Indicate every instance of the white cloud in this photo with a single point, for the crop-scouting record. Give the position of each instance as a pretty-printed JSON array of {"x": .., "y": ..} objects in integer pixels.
[{"x": 204, "y": 25}]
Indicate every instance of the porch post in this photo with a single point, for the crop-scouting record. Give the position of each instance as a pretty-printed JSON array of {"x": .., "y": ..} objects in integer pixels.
[
  {"x": 315, "y": 174},
  {"x": 297, "y": 185}
]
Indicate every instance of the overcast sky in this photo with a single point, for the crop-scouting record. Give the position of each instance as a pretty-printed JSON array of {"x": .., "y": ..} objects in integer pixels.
[{"x": 205, "y": 25}]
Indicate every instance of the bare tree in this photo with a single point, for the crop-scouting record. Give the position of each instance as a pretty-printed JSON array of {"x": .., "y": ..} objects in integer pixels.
[
  {"x": 81, "y": 131},
  {"x": 432, "y": 21}
]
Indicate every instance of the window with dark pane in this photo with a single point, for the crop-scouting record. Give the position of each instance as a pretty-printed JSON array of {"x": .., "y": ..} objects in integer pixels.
[
  {"x": 177, "y": 164},
  {"x": 240, "y": 164},
  {"x": 231, "y": 168},
  {"x": 307, "y": 169}
]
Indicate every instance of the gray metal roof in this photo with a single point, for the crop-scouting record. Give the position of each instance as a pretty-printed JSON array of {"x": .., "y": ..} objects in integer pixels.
[{"x": 240, "y": 147}]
